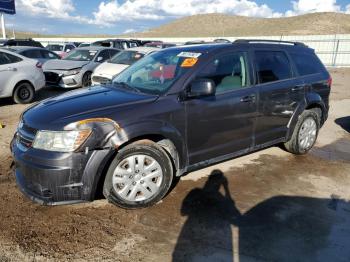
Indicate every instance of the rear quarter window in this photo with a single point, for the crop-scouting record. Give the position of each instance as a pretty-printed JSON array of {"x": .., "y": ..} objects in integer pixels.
[
  {"x": 272, "y": 66},
  {"x": 307, "y": 64}
]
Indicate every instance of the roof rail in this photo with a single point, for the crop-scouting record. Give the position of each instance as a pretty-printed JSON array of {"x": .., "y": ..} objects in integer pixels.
[{"x": 267, "y": 41}]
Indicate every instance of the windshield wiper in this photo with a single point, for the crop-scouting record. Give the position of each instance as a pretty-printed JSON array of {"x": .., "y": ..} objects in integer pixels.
[{"x": 126, "y": 86}]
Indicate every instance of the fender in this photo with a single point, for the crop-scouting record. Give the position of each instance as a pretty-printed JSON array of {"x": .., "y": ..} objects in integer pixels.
[
  {"x": 154, "y": 127},
  {"x": 311, "y": 100}
]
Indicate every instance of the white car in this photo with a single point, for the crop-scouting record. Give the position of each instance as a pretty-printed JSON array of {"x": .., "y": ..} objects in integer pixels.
[
  {"x": 107, "y": 70},
  {"x": 20, "y": 77}
]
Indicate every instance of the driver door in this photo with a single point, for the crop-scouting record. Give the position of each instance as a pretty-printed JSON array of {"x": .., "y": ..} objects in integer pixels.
[{"x": 220, "y": 126}]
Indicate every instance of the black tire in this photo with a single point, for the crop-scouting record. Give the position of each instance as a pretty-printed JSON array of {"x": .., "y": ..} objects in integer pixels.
[
  {"x": 24, "y": 93},
  {"x": 148, "y": 148},
  {"x": 86, "y": 81},
  {"x": 293, "y": 145}
]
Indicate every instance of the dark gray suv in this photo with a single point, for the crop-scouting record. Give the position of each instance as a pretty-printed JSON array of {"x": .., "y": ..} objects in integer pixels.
[{"x": 172, "y": 112}]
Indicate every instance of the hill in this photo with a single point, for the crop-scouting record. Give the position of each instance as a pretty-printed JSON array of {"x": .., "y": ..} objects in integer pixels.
[{"x": 218, "y": 25}]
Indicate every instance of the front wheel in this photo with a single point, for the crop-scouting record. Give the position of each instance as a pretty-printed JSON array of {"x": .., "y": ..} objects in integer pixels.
[
  {"x": 305, "y": 132},
  {"x": 24, "y": 93},
  {"x": 139, "y": 176},
  {"x": 86, "y": 81}
]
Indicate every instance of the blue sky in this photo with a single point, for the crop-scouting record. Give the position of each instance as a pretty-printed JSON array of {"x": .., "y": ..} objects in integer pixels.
[{"x": 119, "y": 16}]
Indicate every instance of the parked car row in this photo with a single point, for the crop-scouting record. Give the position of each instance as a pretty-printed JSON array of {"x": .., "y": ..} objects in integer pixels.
[{"x": 68, "y": 66}]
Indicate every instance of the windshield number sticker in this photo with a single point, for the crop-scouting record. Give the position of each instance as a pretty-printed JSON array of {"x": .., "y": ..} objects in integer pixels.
[
  {"x": 189, "y": 62},
  {"x": 189, "y": 54}
]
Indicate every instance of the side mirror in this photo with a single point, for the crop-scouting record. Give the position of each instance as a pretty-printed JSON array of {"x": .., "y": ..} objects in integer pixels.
[
  {"x": 202, "y": 87},
  {"x": 68, "y": 50},
  {"x": 99, "y": 59}
]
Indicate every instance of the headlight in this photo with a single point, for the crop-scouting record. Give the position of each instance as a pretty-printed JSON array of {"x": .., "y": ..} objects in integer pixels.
[
  {"x": 60, "y": 141},
  {"x": 72, "y": 72}
]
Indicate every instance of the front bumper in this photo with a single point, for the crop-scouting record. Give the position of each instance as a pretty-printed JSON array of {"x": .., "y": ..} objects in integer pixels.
[
  {"x": 52, "y": 178},
  {"x": 57, "y": 79}
]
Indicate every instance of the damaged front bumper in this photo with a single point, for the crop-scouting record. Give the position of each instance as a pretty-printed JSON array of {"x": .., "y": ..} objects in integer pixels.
[{"x": 53, "y": 178}]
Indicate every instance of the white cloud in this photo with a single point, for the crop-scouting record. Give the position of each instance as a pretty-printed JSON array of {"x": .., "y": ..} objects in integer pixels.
[
  {"x": 347, "y": 9},
  {"x": 312, "y": 6},
  {"x": 112, "y": 12},
  {"x": 60, "y": 9},
  {"x": 129, "y": 31}
]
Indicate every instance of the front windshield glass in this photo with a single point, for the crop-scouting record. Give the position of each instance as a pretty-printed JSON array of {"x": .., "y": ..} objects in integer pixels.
[
  {"x": 155, "y": 73},
  {"x": 55, "y": 47},
  {"x": 81, "y": 55},
  {"x": 126, "y": 57}
]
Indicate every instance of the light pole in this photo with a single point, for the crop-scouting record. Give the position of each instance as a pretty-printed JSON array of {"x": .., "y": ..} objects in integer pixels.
[{"x": 3, "y": 26}]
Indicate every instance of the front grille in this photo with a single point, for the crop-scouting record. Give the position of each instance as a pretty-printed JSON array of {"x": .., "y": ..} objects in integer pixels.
[
  {"x": 52, "y": 78},
  {"x": 100, "y": 79}
]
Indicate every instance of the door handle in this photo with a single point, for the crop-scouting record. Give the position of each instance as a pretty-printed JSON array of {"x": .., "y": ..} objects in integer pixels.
[
  {"x": 13, "y": 69},
  {"x": 247, "y": 99},
  {"x": 298, "y": 88}
]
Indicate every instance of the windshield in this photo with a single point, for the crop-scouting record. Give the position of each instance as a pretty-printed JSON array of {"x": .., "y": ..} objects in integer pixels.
[
  {"x": 156, "y": 73},
  {"x": 55, "y": 47},
  {"x": 126, "y": 57},
  {"x": 81, "y": 55}
]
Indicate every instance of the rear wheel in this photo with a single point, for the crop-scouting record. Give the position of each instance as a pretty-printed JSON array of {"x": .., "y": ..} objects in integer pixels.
[
  {"x": 139, "y": 176},
  {"x": 23, "y": 93},
  {"x": 305, "y": 132},
  {"x": 86, "y": 81}
]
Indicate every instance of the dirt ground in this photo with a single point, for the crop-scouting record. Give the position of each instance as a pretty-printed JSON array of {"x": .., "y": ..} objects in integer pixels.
[{"x": 267, "y": 206}]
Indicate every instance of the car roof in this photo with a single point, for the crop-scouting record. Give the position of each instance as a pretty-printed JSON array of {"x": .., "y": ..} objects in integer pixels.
[
  {"x": 202, "y": 48},
  {"x": 23, "y": 48},
  {"x": 6, "y": 50},
  {"x": 94, "y": 48},
  {"x": 143, "y": 49}
]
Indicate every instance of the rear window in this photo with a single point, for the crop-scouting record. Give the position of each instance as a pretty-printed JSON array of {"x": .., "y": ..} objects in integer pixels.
[
  {"x": 272, "y": 66},
  {"x": 32, "y": 53},
  {"x": 307, "y": 64}
]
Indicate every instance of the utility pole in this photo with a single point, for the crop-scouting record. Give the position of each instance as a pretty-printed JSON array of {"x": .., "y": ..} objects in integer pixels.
[{"x": 3, "y": 26}]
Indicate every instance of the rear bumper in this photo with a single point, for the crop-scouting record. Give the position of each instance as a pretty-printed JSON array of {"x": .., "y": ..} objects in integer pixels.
[{"x": 52, "y": 178}]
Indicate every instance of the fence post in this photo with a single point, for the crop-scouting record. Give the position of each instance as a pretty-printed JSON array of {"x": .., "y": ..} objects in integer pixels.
[{"x": 335, "y": 54}]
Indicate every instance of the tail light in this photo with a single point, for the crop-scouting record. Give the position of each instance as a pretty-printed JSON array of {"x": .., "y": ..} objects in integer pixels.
[
  {"x": 330, "y": 82},
  {"x": 39, "y": 65}
]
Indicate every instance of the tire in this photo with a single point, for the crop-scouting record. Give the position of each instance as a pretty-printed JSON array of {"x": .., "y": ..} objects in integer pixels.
[
  {"x": 132, "y": 186},
  {"x": 305, "y": 132},
  {"x": 86, "y": 81},
  {"x": 24, "y": 93}
]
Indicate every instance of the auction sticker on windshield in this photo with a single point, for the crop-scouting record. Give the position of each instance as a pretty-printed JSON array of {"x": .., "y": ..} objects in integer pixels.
[{"x": 189, "y": 54}]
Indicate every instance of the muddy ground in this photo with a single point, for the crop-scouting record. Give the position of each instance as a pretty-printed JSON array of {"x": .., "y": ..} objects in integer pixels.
[{"x": 268, "y": 206}]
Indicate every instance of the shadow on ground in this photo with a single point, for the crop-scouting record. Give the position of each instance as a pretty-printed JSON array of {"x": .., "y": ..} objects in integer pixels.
[
  {"x": 282, "y": 228},
  {"x": 344, "y": 122},
  {"x": 39, "y": 96}
]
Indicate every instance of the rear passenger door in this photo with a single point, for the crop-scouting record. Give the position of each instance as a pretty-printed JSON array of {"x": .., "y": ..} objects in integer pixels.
[
  {"x": 280, "y": 94},
  {"x": 8, "y": 69},
  {"x": 221, "y": 125}
]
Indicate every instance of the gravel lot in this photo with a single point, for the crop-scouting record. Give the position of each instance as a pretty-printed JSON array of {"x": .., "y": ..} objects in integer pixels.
[{"x": 268, "y": 206}]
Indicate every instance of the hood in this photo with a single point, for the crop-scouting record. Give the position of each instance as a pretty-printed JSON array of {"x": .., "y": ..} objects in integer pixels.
[
  {"x": 109, "y": 69},
  {"x": 98, "y": 101},
  {"x": 57, "y": 64}
]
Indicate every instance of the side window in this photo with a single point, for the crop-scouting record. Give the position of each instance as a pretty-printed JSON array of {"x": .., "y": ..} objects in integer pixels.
[
  {"x": 49, "y": 55},
  {"x": 307, "y": 64},
  {"x": 4, "y": 59},
  {"x": 228, "y": 71},
  {"x": 68, "y": 48},
  {"x": 104, "y": 54},
  {"x": 8, "y": 59},
  {"x": 272, "y": 66},
  {"x": 113, "y": 52},
  {"x": 32, "y": 54}
]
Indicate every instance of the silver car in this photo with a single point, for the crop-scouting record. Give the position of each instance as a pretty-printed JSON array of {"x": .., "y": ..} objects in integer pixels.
[
  {"x": 40, "y": 54},
  {"x": 76, "y": 68}
]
